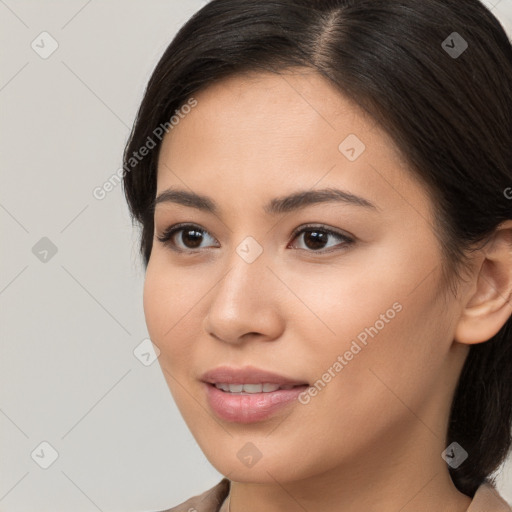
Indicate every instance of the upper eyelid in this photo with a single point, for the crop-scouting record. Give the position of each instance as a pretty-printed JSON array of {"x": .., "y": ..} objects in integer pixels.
[{"x": 321, "y": 227}]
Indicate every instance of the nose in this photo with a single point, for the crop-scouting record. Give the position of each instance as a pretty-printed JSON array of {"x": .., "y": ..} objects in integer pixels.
[{"x": 245, "y": 303}]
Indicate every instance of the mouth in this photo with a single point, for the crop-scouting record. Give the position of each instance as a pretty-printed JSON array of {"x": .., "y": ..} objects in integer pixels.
[
  {"x": 240, "y": 406},
  {"x": 250, "y": 389},
  {"x": 249, "y": 394}
]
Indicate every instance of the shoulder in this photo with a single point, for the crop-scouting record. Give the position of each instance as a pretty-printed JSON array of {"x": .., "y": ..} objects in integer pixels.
[
  {"x": 208, "y": 501},
  {"x": 487, "y": 499}
]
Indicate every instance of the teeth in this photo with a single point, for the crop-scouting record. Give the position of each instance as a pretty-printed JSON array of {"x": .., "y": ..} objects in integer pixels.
[
  {"x": 269, "y": 387},
  {"x": 250, "y": 388}
]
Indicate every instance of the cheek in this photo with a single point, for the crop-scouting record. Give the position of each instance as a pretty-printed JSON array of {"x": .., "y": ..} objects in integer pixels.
[
  {"x": 388, "y": 331},
  {"x": 155, "y": 303},
  {"x": 368, "y": 398},
  {"x": 164, "y": 304},
  {"x": 172, "y": 308},
  {"x": 168, "y": 295}
]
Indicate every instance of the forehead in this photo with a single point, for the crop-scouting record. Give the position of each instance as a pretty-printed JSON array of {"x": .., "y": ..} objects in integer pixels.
[
  {"x": 256, "y": 107},
  {"x": 265, "y": 134}
]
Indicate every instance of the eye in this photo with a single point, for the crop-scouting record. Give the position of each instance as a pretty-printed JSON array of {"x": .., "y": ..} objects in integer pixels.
[
  {"x": 188, "y": 238},
  {"x": 316, "y": 238},
  {"x": 191, "y": 237}
]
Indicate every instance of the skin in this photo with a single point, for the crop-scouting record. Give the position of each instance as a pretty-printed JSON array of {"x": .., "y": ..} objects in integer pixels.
[{"x": 372, "y": 438}]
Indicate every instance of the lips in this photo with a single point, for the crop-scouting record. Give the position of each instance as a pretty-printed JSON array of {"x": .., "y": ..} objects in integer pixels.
[{"x": 249, "y": 394}]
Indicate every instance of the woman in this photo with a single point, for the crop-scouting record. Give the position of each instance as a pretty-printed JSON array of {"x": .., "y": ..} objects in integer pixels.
[{"x": 324, "y": 190}]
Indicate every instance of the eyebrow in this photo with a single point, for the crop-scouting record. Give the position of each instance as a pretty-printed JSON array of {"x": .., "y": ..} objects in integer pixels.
[{"x": 279, "y": 205}]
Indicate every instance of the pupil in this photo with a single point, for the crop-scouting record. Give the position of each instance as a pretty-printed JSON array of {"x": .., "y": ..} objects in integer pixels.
[
  {"x": 196, "y": 238},
  {"x": 317, "y": 238}
]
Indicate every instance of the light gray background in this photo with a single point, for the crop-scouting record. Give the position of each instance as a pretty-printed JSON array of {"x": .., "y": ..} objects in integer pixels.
[{"x": 69, "y": 325}]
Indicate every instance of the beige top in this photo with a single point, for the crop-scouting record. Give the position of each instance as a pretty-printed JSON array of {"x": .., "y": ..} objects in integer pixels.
[{"x": 216, "y": 499}]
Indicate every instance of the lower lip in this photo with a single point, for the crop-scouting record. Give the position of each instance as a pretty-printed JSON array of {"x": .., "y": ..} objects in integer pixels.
[{"x": 249, "y": 408}]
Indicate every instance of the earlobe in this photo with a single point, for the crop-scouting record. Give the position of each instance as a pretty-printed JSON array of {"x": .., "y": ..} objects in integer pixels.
[{"x": 489, "y": 304}]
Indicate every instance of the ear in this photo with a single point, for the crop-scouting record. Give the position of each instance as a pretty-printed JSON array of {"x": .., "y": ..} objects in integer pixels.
[{"x": 488, "y": 303}]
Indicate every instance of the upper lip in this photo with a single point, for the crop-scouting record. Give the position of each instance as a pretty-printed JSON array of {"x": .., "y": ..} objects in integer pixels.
[{"x": 247, "y": 375}]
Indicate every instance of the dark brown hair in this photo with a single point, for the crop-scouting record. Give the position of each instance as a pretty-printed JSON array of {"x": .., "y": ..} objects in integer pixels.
[{"x": 448, "y": 108}]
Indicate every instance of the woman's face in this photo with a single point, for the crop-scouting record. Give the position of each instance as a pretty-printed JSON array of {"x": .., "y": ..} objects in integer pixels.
[{"x": 342, "y": 295}]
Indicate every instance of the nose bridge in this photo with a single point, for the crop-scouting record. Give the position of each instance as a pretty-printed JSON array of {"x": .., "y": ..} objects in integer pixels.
[
  {"x": 241, "y": 301},
  {"x": 247, "y": 272}
]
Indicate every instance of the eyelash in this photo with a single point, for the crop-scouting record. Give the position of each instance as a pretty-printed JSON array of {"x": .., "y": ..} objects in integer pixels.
[{"x": 167, "y": 235}]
